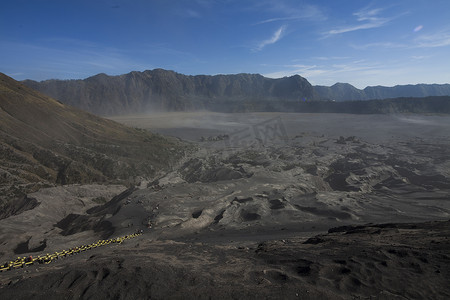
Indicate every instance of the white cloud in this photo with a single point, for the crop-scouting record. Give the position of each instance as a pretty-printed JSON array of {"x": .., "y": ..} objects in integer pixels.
[
  {"x": 289, "y": 12},
  {"x": 330, "y": 57},
  {"x": 369, "y": 18},
  {"x": 302, "y": 70},
  {"x": 420, "y": 57},
  {"x": 439, "y": 39},
  {"x": 418, "y": 28},
  {"x": 387, "y": 45},
  {"x": 277, "y": 19},
  {"x": 277, "y": 35},
  {"x": 368, "y": 15},
  {"x": 192, "y": 13},
  {"x": 362, "y": 73},
  {"x": 355, "y": 27},
  {"x": 330, "y": 74},
  {"x": 74, "y": 59},
  {"x": 306, "y": 71}
]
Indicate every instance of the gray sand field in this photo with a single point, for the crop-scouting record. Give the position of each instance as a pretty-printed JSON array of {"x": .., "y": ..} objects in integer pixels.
[
  {"x": 301, "y": 172},
  {"x": 285, "y": 179},
  {"x": 192, "y": 125}
]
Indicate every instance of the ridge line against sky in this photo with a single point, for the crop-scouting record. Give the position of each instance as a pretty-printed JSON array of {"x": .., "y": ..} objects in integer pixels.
[{"x": 364, "y": 43}]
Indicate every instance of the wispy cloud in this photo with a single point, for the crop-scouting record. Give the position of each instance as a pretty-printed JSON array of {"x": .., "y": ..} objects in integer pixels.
[
  {"x": 330, "y": 57},
  {"x": 290, "y": 70},
  {"x": 418, "y": 28},
  {"x": 368, "y": 14},
  {"x": 432, "y": 40},
  {"x": 70, "y": 59},
  {"x": 292, "y": 12},
  {"x": 386, "y": 45},
  {"x": 277, "y": 19},
  {"x": 277, "y": 35},
  {"x": 367, "y": 18},
  {"x": 359, "y": 73},
  {"x": 329, "y": 74},
  {"x": 420, "y": 57},
  {"x": 192, "y": 13},
  {"x": 439, "y": 39},
  {"x": 354, "y": 28}
]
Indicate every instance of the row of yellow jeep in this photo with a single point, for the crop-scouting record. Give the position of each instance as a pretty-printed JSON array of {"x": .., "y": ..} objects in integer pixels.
[{"x": 21, "y": 262}]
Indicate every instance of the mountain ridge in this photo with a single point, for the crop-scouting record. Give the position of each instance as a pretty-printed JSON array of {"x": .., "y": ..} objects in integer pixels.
[
  {"x": 165, "y": 90},
  {"x": 162, "y": 90},
  {"x": 347, "y": 92}
]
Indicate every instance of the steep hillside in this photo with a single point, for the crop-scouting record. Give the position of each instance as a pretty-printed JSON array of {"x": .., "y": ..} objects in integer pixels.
[
  {"x": 44, "y": 142},
  {"x": 161, "y": 90},
  {"x": 347, "y": 92}
]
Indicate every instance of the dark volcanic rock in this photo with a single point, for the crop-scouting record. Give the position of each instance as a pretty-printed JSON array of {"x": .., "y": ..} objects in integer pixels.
[
  {"x": 25, "y": 248},
  {"x": 19, "y": 206},
  {"x": 202, "y": 171},
  {"x": 75, "y": 223},
  {"x": 411, "y": 264}
]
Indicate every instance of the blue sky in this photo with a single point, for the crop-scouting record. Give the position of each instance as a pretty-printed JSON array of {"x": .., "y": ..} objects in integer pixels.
[{"x": 364, "y": 43}]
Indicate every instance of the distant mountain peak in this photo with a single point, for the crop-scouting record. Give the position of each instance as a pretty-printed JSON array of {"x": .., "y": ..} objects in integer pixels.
[{"x": 342, "y": 84}]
